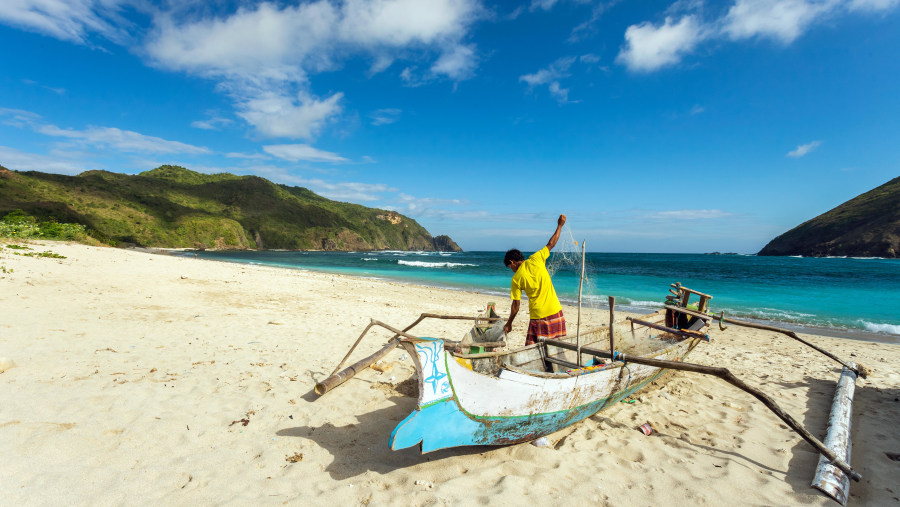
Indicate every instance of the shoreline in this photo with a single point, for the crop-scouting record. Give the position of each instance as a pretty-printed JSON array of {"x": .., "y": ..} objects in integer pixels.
[{"x": 834, "y": 332}]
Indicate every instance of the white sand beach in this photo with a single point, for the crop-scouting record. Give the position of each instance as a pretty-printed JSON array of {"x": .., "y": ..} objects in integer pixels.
[{"x": 146, "y": 379}]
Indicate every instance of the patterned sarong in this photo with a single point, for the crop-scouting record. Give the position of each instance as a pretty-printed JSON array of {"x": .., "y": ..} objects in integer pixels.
[{"x": 550, "y": 327}]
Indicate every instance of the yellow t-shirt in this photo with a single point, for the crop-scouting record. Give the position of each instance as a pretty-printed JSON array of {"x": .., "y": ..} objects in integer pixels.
[{"x": 533, "y": 278}]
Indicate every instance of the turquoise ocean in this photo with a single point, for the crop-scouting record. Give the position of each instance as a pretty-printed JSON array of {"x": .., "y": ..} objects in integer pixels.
[{"x": 852, "y": 297}]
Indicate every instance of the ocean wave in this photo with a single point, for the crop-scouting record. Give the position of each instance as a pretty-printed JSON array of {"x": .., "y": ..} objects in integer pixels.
[
  {"x": 370, "y": 258},
  {"x": 423, "y": 264},
  {"x": 881, "y": 328}
]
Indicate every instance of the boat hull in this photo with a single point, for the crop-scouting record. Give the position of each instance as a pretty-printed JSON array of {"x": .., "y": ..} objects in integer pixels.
[{"x": 458, "y": 406}]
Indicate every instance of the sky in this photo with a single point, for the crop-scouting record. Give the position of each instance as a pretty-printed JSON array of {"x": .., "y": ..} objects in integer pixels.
[{"x": 688, "y": 126}]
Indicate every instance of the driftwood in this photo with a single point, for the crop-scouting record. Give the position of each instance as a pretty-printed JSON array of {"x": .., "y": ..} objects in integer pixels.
[{"x": 727, "y": 376}]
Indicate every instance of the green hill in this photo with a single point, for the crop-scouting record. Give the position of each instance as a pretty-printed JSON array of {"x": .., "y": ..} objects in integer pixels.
[
  {"x": 866, "y": 226},
  {"x": 174, "y": 207}
]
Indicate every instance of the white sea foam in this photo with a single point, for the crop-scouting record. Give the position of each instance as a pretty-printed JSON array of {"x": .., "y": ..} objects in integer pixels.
[
  {"x": 423, "y": 264},
  {"x": 370, "y": 258},
  {"x": 881, "y": 328}
]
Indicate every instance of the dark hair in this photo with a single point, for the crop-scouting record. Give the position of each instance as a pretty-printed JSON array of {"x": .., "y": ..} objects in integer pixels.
[{"x": 512, "y": 255}]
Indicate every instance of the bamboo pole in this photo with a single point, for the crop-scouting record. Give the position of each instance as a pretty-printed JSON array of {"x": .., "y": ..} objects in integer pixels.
[
  {"x": 337, "y": 378},
  {"x": 612, "y": 318},
  {"x": 858, "y": 369},
  {"x": 578, "y": 325},
  {"x": 729, "y": 377},
  {"x": 829, "y": 479}
]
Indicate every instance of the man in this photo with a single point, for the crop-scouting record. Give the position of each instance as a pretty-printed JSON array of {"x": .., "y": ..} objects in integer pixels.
[{"x": 531, "y": 275}]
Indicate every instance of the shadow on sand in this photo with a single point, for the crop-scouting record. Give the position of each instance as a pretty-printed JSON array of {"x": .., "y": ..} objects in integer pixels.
[{"x": 363, "y": 447}]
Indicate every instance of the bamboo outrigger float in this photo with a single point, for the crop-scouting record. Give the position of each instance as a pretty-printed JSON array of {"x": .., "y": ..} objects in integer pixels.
[{"x": 496, "y": 396}]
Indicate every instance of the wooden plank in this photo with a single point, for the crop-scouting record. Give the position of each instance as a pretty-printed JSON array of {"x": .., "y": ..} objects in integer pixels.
[
  {"x": 692, "y": 291},
  {"x": 612, "y": 317}
]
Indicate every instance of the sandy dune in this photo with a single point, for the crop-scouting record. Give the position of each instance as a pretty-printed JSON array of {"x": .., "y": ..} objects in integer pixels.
[{"x": 146, "y": 379}]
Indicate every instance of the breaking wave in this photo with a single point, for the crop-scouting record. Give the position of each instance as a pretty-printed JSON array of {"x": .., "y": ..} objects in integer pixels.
[
  {"x": 881, "y": 328},
  {"x": 423, "y": 264}
]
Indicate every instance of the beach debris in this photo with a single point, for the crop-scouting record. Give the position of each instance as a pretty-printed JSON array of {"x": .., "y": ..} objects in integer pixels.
[
  {"x": 646, "y": 428},
  {"x": 184, "y": 277},
  {"x": 383, "y": 367},
  {"x": 893, "y": 456},
  {"x": 541, "y": 442},
  {"x": 244, "y": 422},
  {"x": 296, "y": 458},
  {"x": 426, "y": 484},
  {"x": 6, "y": 364}
]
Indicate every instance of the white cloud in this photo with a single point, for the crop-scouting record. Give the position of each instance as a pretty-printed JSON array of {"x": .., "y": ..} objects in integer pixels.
[
  {"x": 212, "y": 123},
  {"x": 297, "y": 152},
  {"x": 551, "y": 76},
  {"x": 122, "y": 140},
  {"x": 106, "y": 137},
  {"x": 649, "y": 47},
  {"x": 456, "y": 62},
  {"x": 263, "y": 55},
  {"x": 803, "y": 149},
  {"x": 247, "y": 156},
  {"x": 783, "y": 20},
  {"x": 12, "y": 158},
  {"x": 385, "y": 116},
  {"x": 70, "y": 20},
  {"x": 276, "y": 114},
  {"x": 872, "y": 5}
]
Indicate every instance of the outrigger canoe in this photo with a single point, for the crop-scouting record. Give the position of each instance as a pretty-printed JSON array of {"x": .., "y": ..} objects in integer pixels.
[{"x": 478, "y": 392}]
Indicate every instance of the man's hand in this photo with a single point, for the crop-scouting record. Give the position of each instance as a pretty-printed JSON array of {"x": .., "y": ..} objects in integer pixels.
[
  {"x": 559, "y": 225},
  {"x": 513, "y": 310}
]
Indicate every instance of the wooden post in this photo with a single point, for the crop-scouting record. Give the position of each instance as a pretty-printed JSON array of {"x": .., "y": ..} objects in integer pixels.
[
  {"x": 578, "y": 324},
  {"x": 612, "y": 318}
]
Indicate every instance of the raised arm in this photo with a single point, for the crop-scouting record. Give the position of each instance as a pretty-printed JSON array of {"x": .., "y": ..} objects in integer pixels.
[{"x": 559, "y": 225}]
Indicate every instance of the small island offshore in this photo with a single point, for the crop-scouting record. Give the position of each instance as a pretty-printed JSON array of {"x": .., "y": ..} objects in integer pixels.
[{"x": 173, "y": 207}]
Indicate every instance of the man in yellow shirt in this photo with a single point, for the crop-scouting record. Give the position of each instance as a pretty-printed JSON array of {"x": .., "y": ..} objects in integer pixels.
[{"x": 531, "y": 275}]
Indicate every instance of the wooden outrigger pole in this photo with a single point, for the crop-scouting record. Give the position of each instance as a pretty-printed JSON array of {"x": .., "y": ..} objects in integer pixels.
[{"x": 729, "y": 377}]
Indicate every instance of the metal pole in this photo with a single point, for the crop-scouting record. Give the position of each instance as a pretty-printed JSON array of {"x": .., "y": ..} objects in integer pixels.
[{"x": 578, "y": 325}]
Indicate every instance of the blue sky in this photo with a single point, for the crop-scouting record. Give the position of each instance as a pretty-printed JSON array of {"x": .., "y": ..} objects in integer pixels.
[{"x": 687, "y": 126}]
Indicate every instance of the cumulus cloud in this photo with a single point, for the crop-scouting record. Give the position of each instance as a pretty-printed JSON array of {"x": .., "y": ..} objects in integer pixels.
[
  {"x": 649, "y": 47},
  {"x": 297, "y": 152},
  {"x": 264, "y": 55},
  {"x": 69, "y": 20},
  {"x": 803, "y": 149},
  {"x": 783, "y": 20}
]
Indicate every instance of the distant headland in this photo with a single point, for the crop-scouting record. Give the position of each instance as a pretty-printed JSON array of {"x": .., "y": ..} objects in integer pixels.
[
  {"x": 173, "y": 207},
  {"x": 866, "y": 226}
]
